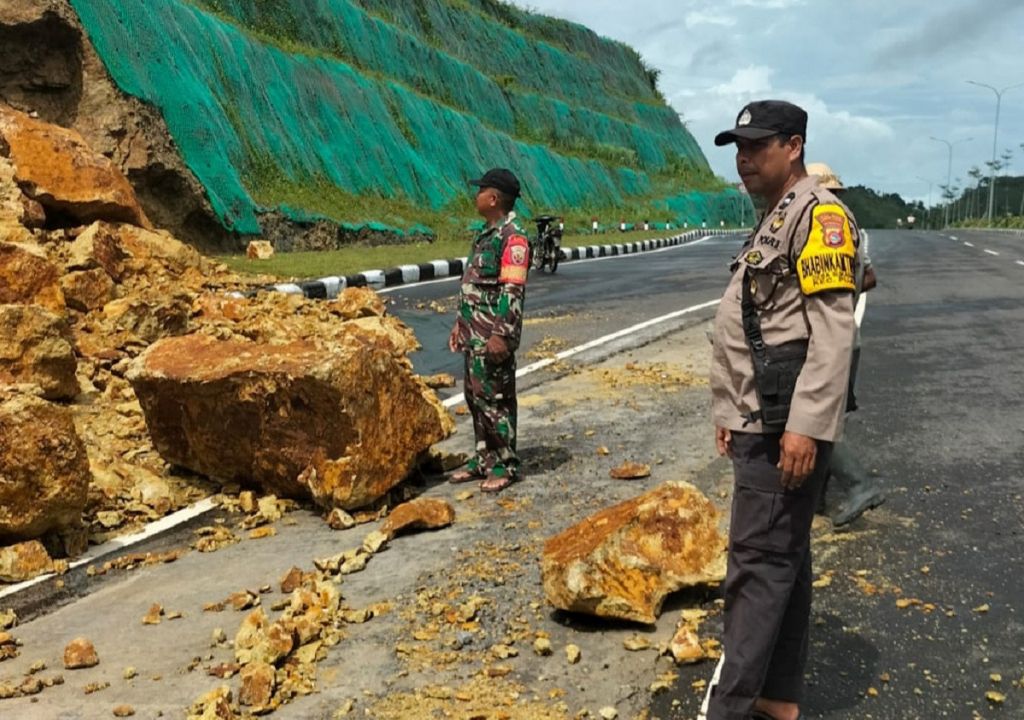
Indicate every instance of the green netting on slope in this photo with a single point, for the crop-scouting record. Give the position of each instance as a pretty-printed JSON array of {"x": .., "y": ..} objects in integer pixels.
[
  {"x": 230, "y": 101},
  {"x": 534, "y": 46},
  {"x": 371, "y": 44},
  {"x": 695, "y": 207}
]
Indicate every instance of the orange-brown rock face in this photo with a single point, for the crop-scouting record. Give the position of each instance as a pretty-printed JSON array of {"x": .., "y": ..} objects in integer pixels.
[
  {"x": 24, "y": 561},
  {"x": 623, "y": 561},
  {"x": 28, "y": 277},
  {"x": 419, "y": 514},
  {"x": 342, "y": 424},
  {"x": 56, "y": 168},
  {"x": 34, "y": 349},
  {"x": 44, "y": 468}
]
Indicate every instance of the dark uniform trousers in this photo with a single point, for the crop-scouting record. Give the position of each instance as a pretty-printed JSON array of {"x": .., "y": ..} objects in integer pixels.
[
  {"x": 768, "y": 582},
  {"x": 490, "y": 392}
]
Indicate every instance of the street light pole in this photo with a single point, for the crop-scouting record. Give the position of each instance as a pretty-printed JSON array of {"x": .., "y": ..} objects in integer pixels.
[
  {"x": 995, "y": 141},
  {"x": 949, "y": 172}
]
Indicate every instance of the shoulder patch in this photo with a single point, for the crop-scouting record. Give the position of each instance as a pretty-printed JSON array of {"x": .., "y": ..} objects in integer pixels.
[
  {"x": 827, "y": 260},
  {"x": 515, "y": 261}
]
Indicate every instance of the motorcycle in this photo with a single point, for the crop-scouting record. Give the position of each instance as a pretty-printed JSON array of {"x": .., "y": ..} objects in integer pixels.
[{"x": 546, "y": 248}]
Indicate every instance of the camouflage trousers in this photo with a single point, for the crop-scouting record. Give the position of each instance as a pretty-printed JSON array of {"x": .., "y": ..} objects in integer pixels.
[{"x": 490, "y": 390}]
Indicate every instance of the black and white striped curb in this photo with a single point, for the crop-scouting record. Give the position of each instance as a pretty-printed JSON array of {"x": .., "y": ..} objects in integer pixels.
[{"x": 328, "y": 288}]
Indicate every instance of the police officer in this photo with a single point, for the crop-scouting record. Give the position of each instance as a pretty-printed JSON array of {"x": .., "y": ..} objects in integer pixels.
[
  {"x": 783, "y": 338},
  {"x": 488, "y": 328}
]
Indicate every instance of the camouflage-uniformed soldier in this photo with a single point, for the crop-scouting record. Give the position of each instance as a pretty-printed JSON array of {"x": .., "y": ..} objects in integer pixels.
[
  {"x": 488, "y": 329},
  {"x": 781, "y": 363}
]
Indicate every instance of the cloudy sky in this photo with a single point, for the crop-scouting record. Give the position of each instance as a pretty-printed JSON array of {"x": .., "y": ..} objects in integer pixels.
[{"x": 878, "y": 77}]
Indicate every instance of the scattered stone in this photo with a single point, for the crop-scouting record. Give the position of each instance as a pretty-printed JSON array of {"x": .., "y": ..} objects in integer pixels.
[
  {"x": 156, "y": 612},
  {"x": 218, "y": 636},
  {"x": 419, "y": 514},
  {"x": 214, "y": 705},
  {"x": 80, "y": 653},
  {"x": 129, "y": 673},
  {"x": 260, "y": 641},
  {"x": 263, "y": 532},
  {"x": 122, "y": 711},
  {"x": 623, "y": 561},
  {"x": 292, "y": 580},
  {"x": 636, "y": 643},
  {"x": 60, "y": 172},
  {"x": 375, "y": 542},
  {"x": 24, "y": 561},
  {"x": 8, "y": 647},
  {"x": 213, "y": 538},
  {"x": 354, "y": 564},
  {"x": 8, "y": 619},
  {"x": 503, "y": 652},
  {"x": 257, "y": 689},
  {"x": 338, "y": 519},
  {"x": 572, "y": 654},
  {"x": 542, "y": 646},
  {"x": 685, "y": 646},
  {"x": 630, "y": 471},
  {"x": 608, "y": 713},
  {"x": 243, "y": 600},
  {"x": 440, "y": 380},
  {"x": 259, "y": 250}
]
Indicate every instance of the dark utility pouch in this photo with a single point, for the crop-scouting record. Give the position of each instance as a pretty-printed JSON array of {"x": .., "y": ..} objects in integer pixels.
[
  {"x": 776, "y": 368},
  {"x": 775, "y": 374}
]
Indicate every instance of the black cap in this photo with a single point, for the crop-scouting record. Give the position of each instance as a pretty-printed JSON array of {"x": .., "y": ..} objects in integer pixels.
[
  {"x": 499, "y": 179},
  {"x": 764, "y": 118}
]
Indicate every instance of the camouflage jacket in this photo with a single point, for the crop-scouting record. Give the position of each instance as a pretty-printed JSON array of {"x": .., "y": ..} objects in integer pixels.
[{"x": 493, "y": 287}]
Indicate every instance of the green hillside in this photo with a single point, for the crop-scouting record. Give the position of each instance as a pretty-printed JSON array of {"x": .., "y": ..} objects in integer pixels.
[{"x": 371, "y": 111}]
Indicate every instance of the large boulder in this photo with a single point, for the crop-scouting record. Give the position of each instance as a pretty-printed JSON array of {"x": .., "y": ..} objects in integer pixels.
[
  {"x": 342, "y": 424},
  {"x": 125, "y": 250},
  {"x": 34, "y": 349},
  {"x": 28, "y": 277},
  {"x": 55, "y": 167},
  {"x": 43, "y": 465},
  {"x": 622, "y": 562}
]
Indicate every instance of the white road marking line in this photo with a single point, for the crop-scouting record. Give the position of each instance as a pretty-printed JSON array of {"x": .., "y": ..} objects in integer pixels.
[
  {"x": 122, "y": 543},
  {"x": 968, "y": 244},
  {"x": 953, "y": 237},
  {"x": 991, "y": 252},
  {"x": 1020, "y": 262},
  {"x": 603, "y": 340}
]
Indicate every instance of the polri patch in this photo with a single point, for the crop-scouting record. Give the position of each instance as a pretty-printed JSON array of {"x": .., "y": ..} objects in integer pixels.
[
  {"x": 754, "y": 257},
  {"x": 827, "y": 260},
  {"x": 778, "y": 222}
]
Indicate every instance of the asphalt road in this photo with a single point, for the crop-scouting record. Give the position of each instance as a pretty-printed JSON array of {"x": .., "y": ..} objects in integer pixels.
[
  {"x": 942, "y": 421},
  {"x": 585, "y": 299}
]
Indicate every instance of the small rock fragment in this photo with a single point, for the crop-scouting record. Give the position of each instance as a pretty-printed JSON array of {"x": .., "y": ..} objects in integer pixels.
[
  {"x": 542, "y": 646},
  {"x": 152, "y": 617},
  {"x": 636, "y": 643},
  {"x": 375, "y": 541},
  {"x": 630, "y": 471},
  {"x": 419, "y": 514},
  {"x": 122, "y": 711},
  {"x": 258, "y": 682},
  {"x": 608, "y": 713},
  {"x": 572, "y": 654},
  {"x": 129, "y": 673},
  {"x": 338, "y": 519},
  {"x": 80, "y": 653}
]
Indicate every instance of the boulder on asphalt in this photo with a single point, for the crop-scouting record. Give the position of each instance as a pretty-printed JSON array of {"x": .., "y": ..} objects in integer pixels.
[
  {"x": 622, "y": 562},
  {"x": 342, "y": 424},
  {"x": 419, "y": 514},
  {"x": 34, "y": 349},
  {"x": 27, "y": 277},
  {"x": 257, "y": 685},
  {"x": 80, "y": 653},
  {"x": 44, "y": 467},
  {"x": 55, "y": 167},
  {"x": 24, "y": 561}
]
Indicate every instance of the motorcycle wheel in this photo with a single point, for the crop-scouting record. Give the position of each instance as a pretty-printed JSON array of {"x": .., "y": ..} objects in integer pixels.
[
  {"x": 537, "y": 259},
  {"x": 556, "y": 254}
]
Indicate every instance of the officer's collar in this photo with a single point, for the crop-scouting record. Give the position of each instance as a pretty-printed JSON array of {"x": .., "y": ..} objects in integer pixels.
[{"x": 507, "y": 220}]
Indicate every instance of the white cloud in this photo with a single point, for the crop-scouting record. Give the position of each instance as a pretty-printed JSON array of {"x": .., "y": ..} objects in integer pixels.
[
  {"x": 699, "y": 17},
  {"x": 751, "y": 80}
]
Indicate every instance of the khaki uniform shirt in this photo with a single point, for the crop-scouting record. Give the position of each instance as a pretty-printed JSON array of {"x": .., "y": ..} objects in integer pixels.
[{"x": 802, "y": 259}]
